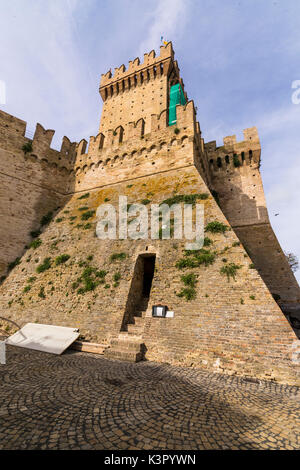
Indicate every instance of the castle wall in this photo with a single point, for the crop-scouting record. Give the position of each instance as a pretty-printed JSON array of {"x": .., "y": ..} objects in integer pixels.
[
  {"x": 232, "y": 326},
  {"x": 241, "y": 197},
  {"x": 158, "y": 151},
  {"x": 136, "y": 93},
  {"x": 31, "y": 184}
]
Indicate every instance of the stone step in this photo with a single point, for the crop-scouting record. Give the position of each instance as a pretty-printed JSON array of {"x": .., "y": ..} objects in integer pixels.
[
  {"x": 126, "y": 344},
  {"x": 84, "y": 346},
  {"x": 123, "y": 355},
  {"x": 135, "y": 329},
  {"x": 139, "y": 321}
]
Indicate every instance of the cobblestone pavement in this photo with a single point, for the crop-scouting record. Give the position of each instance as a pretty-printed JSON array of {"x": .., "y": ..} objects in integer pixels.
[{"x": 83, "y": 401}]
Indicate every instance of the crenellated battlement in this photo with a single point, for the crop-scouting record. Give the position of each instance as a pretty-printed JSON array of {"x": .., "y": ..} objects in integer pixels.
[
  {"x": 116, "y": 140},
  {"x": 137, "y": 72},
  {"x": 110, "y": 158},
  {"x": 13, "y": 138},
  {"x": 232, "y": 154}
]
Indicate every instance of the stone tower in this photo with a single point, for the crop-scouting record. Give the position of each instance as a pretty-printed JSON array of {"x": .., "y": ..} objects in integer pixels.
[{"x": 149, "y": 148}]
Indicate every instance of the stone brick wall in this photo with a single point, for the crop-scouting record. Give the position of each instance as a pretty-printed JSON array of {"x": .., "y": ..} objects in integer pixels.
[
  {"x": 159, "y": 150},
  {"x": 31, "y": 184},
  {"x": 230, "y": 325},
  {"x": 235, "y": 176},
  {"x": 133, "y": 95}
]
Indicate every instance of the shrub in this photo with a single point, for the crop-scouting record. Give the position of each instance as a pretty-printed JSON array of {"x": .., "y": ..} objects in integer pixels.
[
  {"x": 61, "y": 259},
  {"x": 185, "y": 198},
  {"x": 90, "y": 257},
  {"x": 73, "y": 217},
  {"x": 196, "y": 258},
  {"x": 176, "y": 130},
  {"x": 101, "y": 274},
  {"x": 89, "y": 285},
  {"x": 87, "y": 226},
  {"x": 236, "y": 244},
  {"x": 46, "y": 264},
  {"x": 87, "y": 215},
  {"x": 27, "y": 147},
  {"x": 60, "y": 219},
  {"x": 83, "y": 208},
  {"x": 251, "y": 266},
  {"x": 145, "y": 201},
  {"x": 35, "y": 233},
  {"x": 216, "y": 227},
  {"x": 46, "y": 218},
  {"x": 252, "y": 297},
  {"x": 41, "y": 293},
  {"x": 106, "y": 199},
  {"x": 117, "y": 256},
  {"x": 31, "y": 279},
  {"x": 116, "y": 276},
  {"x": 35, "y": 243},
  {"x": 230, "y": 270},
  {"x": 26, "y": 289},
  {"x": 189, "y": 280},
  {"x": 90, "y": 279},
  {"x": 14, "y": 263},
  {"x": 207, "y": 241},
  {"x": 188, "y": 292},
  {"x": 84, "y": 196}
]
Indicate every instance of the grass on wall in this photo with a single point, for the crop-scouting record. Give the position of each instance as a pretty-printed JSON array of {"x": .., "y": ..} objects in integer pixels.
[{"x": 230, "y": 270}]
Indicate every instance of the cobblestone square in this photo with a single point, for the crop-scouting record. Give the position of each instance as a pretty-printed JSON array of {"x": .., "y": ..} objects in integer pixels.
[{"x": 84, "y": 401}]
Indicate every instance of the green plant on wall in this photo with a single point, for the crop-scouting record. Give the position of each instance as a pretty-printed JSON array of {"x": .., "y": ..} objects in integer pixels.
[
  {"x": 185, "y": 198},
  {"x": 116, "y": 278},
  {"x": 46, "y": 219},
  {"x": 84, "y": 196},
  {"x": 87, "y": 215},
  {"x": 230, "y": 270},
  {"x": 27, "y": 148},
  {"x": 90, "y": 278},
  {"x": 117, "y": 256},
  {"x": 61, "y": 259},
  {"x": 46, "y": 264},
  {"x": 195, "y": 258},
  {"x": 41, "y": 293},
  {"x": 14, "y": 263},
  {"x": 189, "y": 291},
  {"x": 216, "y": 227}
]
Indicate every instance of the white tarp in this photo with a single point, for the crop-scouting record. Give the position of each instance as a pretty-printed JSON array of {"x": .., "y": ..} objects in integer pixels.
[{"x": 47, "y": 338}]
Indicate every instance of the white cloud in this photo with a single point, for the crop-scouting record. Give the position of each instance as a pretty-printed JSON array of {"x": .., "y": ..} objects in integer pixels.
[
  {"x": 42, "y": 67},
  {"x": 168, "y": 20}
]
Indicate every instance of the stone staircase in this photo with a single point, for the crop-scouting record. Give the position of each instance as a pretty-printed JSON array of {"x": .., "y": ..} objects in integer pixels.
[{"x": 129, "y": 345}]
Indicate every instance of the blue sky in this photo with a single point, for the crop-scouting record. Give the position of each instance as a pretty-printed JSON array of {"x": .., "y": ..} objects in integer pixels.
[{"x": 238, "y": 59}]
